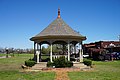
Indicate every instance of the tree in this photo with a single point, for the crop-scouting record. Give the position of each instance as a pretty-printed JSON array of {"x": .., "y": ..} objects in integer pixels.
[{"x": 44, "y": 50}]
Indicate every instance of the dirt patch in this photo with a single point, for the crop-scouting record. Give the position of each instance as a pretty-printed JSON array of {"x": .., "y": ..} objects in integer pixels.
[{"x": 61, "y": 73}]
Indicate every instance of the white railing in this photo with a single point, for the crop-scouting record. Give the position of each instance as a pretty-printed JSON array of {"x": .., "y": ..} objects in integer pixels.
[{"x": 57, "y": 56}]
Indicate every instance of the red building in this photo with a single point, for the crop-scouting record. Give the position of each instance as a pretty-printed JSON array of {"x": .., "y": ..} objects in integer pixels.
[{"x": 101, "y": 47}]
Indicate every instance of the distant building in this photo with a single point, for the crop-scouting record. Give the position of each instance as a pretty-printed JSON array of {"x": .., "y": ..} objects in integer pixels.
[{"x": 100, "y": 47}]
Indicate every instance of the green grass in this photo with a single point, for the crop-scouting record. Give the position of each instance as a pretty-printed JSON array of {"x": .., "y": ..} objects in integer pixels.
[
  {"x": 4, "y": 54},
  {"x": 14, "y": 63},
  {"x": 1, "y": 54},
  {"x": 102, "y": 71},
  {"x": 10, "y": 69},
  {"x": 16, "y": 75}
]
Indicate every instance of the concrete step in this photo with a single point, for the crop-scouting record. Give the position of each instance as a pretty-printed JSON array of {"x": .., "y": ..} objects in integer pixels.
[
  {"x": 79, "y": 65},
  {"x": 40, "y": 66}
]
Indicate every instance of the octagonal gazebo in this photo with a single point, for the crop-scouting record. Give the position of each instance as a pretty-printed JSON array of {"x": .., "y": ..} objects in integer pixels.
[{"x": 58, "y": 32}]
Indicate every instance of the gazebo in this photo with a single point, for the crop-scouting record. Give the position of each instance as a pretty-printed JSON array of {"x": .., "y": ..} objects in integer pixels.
[{"x": 58, "y": 32}]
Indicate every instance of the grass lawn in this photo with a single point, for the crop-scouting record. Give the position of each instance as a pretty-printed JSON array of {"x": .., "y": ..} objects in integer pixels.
[
  {"x": 1, "y": 54},
  {"x": 102, "y": 71},
  {"x": 10, "y": 69},
  {"x": 16, "y": 75}
]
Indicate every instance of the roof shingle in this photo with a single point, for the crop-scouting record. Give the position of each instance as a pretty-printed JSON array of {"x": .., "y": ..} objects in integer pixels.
[{"x": 58, "y": 28}]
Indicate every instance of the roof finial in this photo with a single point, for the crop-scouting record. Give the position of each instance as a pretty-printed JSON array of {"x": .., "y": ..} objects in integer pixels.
[{"x": 58, "y": 12}]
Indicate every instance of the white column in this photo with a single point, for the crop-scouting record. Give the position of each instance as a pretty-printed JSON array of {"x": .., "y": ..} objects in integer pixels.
[
  {"x": 34, "y": 49},
  {"x": 40, "y": 52},
  {"x": 81, "y": 52},
  {"x": 81, "y": 55},
  {"x": 37, "y": 46},
  {"x": 68, "y": 51},
  {"x": 37, "y": 52},
  {"x": 51, "y": 53}
]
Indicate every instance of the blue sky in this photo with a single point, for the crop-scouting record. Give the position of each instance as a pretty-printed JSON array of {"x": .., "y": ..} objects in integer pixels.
[{"x": 22, "y": 19}]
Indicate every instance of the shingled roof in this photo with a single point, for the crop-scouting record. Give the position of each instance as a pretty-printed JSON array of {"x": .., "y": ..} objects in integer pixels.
[{"x": 58, "y": 28}]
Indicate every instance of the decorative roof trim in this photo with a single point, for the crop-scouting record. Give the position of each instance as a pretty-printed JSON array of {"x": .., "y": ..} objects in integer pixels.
[{"x": 58, "y": 13}]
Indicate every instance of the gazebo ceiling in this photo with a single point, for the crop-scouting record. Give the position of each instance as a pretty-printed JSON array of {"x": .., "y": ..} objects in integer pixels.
[{"x": 58, "y": 29}]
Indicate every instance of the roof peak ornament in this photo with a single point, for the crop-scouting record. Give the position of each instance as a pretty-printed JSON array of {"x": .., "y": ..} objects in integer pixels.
[{"x": 58, "y": 13}]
